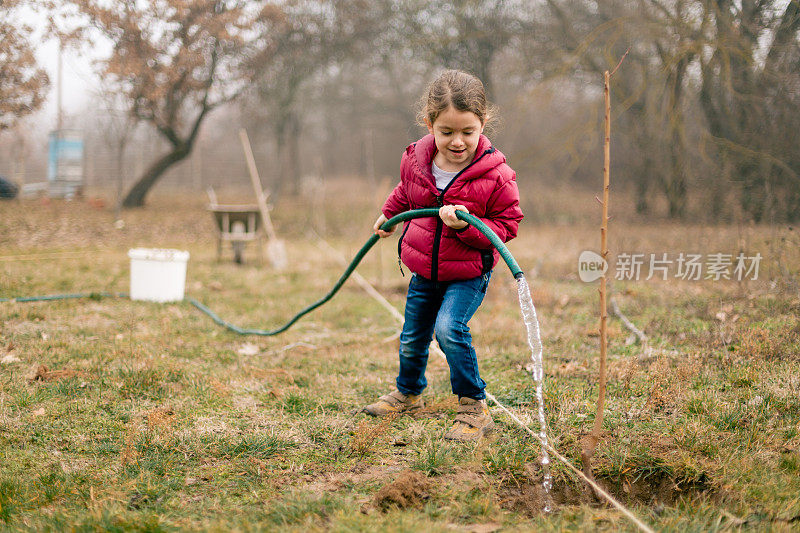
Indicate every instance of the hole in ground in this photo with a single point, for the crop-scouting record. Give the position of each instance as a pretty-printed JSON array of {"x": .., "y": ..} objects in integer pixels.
[{"x": 656, "y": 490}]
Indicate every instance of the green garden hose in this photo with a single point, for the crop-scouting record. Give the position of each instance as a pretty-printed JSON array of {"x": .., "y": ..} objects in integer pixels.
[
  {"x": 402, "y": 217},
  {"x": 90, "y": 295}
]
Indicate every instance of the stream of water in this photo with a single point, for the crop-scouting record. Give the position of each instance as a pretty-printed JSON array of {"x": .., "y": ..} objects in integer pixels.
[{"x": 537, "y": 372}]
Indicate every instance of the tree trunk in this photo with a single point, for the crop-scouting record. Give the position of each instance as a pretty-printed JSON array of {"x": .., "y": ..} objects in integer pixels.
[
  {"x": 676, "y": 186},
  {"x": 676, "y": 196},
  {"x": 293, "y": 149},
  {"x": 642, "y": 203},
  {"x": 287, "y": 133},
  {"x": 136, "y": 196},
  {"x": 120, "y": 177},
  {"x": 280, "y": 151},
  {"x": 718, "y": 195},
  {"x": 753, "y": 197}
]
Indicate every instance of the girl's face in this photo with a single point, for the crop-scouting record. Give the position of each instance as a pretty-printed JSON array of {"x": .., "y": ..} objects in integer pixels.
[{"x": 456, "y": 134}]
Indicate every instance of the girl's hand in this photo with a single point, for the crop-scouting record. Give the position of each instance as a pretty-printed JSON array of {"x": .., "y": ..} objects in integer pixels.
[
  {"x": 448, "y": 215},
  {"x": 377, "y": 227}
]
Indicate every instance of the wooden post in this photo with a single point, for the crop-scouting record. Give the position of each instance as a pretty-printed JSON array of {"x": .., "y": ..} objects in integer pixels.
[
  {"x": 601, "y": 399},
  {"x": 590, "y": 443},
  {"x": 275, "y": 248},
  {"x": 254, "y": 179}
]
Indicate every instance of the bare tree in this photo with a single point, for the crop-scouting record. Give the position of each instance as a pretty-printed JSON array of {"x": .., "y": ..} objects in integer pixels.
[
  {"x": 23, "y": 85},
  {"x": 750, "y": 94},
  {"x": 297, "y": 47},
  {"x": 700, "y": 70},
  {"x": 464, "y": 34},
  {"x": 651, "y": 91},
  {"x": 117, "y": 127},
  {"x": 174, "y": 62}
]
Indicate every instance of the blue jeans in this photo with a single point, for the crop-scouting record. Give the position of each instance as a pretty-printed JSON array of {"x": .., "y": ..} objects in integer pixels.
[{"x": 444, "y": 307}]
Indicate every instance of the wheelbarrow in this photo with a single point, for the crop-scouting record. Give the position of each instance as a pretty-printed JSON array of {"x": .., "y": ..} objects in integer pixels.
[{"x": 237, "y": 224}]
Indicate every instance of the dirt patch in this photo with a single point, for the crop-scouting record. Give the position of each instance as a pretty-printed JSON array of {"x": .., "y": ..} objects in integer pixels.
[
  {"x": 529, "y": 497},
  {"x": 333, "y": 482},
  {"x": 654, "y": 490},
  {"x": 410, "y": 489},
  {"x": 160, "y": 417},
  {"x": 45, "y": 374},
  {"x": 657, "y": 490}
]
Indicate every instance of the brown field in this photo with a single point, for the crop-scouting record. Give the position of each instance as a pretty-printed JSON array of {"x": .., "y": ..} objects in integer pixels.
[{"x": 139, "y": 416}]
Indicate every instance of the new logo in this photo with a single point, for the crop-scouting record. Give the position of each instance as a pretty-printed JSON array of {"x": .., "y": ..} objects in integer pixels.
[{"x": 591, "y": 266}]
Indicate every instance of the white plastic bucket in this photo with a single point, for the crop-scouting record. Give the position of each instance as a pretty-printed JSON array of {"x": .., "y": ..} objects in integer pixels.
[{"x": 158, "y": 275}]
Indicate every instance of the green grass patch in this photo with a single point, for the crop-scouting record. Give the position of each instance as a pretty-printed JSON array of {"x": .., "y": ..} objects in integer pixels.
[{"x": 152, "y": 418}]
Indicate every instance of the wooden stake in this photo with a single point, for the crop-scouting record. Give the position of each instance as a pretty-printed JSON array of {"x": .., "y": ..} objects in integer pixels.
[
  {"x": 590, "y": 443},
  {"x": 256, "y": 181},
  {"x": 275, "y": 247}
]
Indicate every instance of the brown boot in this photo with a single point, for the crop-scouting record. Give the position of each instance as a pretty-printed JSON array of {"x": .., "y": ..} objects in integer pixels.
[
  {"x": 395, "y": 403},
  {"x": 473, "y": 420}
]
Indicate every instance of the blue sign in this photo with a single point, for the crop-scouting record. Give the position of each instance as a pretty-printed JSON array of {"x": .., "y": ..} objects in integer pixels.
[{"x": 65, "y": 162}]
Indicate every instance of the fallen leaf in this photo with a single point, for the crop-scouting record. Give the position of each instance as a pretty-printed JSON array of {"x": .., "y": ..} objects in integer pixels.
[
  {"x": 39, "y": 412},
  {"x": 10, "y": 358}
]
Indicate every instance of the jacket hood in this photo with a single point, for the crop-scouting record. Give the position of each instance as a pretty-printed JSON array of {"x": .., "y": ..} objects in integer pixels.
[{"x": 486, "y": 157}]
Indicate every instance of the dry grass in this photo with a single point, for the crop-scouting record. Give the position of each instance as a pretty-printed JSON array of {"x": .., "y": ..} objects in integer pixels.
[{"x": 147, "y": 416}]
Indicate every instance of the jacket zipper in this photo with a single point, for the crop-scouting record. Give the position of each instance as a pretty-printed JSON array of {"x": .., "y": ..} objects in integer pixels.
[
  {"x": 399, "y": 245},
  {"x": 440, "y": 224}
]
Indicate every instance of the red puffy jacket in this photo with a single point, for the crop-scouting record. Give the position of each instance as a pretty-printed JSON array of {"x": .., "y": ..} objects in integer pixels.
[{"x": 486, "y": 187}]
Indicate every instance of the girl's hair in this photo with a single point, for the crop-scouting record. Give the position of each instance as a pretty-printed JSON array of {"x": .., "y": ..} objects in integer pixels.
[{"x": 455, "y": 88}]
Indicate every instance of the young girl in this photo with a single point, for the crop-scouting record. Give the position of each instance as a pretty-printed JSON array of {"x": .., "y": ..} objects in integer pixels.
[{"x": 454, "y": 168}]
